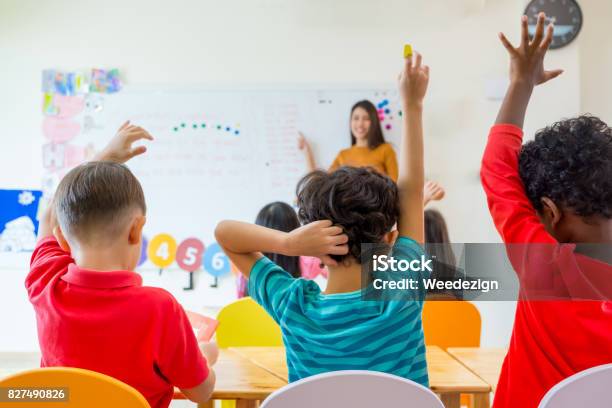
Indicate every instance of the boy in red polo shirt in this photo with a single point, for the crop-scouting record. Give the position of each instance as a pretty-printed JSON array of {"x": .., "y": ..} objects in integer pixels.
[
  {"x": 549, "y": 195},
  {"x": 91, "y": 309}
]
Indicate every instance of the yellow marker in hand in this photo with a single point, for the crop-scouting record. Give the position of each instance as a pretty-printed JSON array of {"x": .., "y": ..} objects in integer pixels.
[{"x": 407, "y": 51}]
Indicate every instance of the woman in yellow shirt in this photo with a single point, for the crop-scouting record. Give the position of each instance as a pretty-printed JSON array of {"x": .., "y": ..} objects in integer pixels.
[
  {"x": 368, "y": 144},
  {"x": 369, "y": 149}
]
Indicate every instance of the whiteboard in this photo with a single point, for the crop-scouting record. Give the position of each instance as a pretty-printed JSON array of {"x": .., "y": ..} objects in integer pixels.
[{"x": 217, "y": 154}]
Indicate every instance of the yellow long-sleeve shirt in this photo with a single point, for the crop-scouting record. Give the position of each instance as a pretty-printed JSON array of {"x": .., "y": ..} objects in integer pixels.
[{"x": 382, "y": 159}]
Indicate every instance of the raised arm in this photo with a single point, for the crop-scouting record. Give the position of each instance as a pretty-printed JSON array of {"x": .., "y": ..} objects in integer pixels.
[
  {"x": 526, "y": 71},
  {"x": 244, "y": 242},
  {"x": 512, "y": 212},
  {"x": 413, "y": 81},
  {"x": 432, "y": 191},
  {"x": 304, "y": 146},
  {"x": 119, "y": 150}
]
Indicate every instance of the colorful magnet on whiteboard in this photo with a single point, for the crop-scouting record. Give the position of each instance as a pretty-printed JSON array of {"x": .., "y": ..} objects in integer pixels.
[
  {"x": 189, "y": 254},
  {"x": 162, "y": 250},
  {"x": 215, "y": 261},
  {"x": 388, "y": 127},
  {"x": 143, "y": 251},
  {"x": 407, "y": 51}
]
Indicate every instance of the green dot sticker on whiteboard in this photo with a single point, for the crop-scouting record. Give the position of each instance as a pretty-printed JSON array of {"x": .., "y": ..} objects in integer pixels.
[
  {"x": 215, "y": 261},
  {"x": 162, "y": 250}
]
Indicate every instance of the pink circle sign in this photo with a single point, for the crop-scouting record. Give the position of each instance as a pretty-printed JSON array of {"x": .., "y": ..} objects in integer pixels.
[{"x": 189, "y": 254}]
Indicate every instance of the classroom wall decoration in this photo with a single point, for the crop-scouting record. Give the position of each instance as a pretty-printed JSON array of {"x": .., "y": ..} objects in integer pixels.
[
  {"x": 18, "y": 220},
  {"x": 217, "y": 154}
]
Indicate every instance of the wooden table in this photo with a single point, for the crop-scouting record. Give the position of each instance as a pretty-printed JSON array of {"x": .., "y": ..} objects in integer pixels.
[
  {"x": 447, "y": 377},
  {"x": 484, "y": 362},
  {"x": 240, "y": 379},
  {"x": 237, "y": 378}
]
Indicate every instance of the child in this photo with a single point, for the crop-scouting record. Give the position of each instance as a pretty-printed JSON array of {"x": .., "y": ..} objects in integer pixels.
[
  {"x": 337, "y": 330},
  {"x": 437, "y": 245},
  {"x": 281, "y": 216},
  {"x": 368, "y": 146},
  {"x": 553, "y": 190},
  {"x": 91, "y": 309}
]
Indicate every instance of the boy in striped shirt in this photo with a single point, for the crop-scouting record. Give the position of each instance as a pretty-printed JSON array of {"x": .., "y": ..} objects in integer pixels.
[{"x": 337, "y": 329}]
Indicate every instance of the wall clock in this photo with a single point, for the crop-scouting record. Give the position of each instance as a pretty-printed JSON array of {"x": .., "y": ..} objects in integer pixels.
[{"x": 564, "y": 14}]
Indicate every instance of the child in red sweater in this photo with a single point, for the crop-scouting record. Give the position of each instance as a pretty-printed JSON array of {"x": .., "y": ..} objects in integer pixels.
[{"x": 549, "y": 195}]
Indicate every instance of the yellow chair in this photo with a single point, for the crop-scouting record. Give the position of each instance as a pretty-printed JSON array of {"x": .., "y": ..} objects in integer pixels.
[
  {"x": 452, "y": 323},
  {"x": 85, "y": 388},
  {"x": 244, "y": 323}
]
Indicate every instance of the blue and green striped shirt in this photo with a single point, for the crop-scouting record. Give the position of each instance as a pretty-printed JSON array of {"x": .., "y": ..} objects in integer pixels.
[{"x": 341, "y": 331}]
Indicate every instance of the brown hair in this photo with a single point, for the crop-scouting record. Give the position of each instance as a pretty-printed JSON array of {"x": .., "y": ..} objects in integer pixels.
[
  {"x": 375, "y": 134},
  {"x": 97, "y": 194},
  {"x": 360, "y": 200}
]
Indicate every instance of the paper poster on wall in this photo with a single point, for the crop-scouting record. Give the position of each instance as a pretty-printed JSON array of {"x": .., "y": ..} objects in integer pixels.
[{"x": 18, "y": 219}]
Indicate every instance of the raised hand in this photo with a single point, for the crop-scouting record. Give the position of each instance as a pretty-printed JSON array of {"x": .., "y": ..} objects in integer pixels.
[
  {"x": 413, "y": 81},
  {"x": 527, "y": 60},
  {"x": 319, "y": 239},
  {"x": 302, "y": 142},
  {"x": 120, "y": 149},
  {"x": 432, "y": 191}
]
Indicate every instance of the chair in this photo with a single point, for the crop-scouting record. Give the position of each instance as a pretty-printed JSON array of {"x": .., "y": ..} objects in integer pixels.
[
  {"x": 85, "y": 388},
  {"x": 244, "y": 323},
  {"x": 589, "y": 388},
  {"x": 354, "y": 389},
  {"x": 451, "y": 324}
]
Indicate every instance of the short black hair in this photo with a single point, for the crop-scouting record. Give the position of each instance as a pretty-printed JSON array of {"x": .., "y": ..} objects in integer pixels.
[
  {"x": 570, "y": 162},
  {"x": 362, "y": 201},
  {"x": 95, "y": 196}
]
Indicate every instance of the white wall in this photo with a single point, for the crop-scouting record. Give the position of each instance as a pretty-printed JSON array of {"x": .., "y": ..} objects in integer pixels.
[{"x": 280, "y": 41}]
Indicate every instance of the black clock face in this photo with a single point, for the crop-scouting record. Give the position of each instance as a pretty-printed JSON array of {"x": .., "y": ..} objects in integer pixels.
[{"x": 565, "y": 14}]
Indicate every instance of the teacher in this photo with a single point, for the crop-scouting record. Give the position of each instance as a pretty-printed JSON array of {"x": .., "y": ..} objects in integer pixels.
[{"x": 368, "y": 145}]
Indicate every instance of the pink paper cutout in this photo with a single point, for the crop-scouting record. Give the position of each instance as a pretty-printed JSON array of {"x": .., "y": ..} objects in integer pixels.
[
  {"x": 69, "y": 105},
  {"x": 60, "y": 130},
  {"x": 203, "y": 326},
  {"x": 74, "y": 155}
]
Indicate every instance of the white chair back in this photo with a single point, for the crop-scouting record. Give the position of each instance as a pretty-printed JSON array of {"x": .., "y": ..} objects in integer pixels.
[
  {"x": 590, "y": 388},
  {"x": 355, "y": 389}
]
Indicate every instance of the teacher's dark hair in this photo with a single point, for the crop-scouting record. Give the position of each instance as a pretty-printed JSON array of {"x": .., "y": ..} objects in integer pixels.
[{"x": 375, "y": 134}]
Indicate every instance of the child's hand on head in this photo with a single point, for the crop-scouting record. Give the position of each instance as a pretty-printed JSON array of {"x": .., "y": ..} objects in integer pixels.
[
  {"x": 433, "y": 191},
  {"x": 413, "y": 81},
  {"x": 319, "y": 239},
  {"x": 120, "y": 149},
  {"x": 527, "y": 60}
]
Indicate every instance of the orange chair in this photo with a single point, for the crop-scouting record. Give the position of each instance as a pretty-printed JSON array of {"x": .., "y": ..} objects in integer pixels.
[
  {"x": 451, "y": 323},
  {"x": 85, "y": 388}
]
